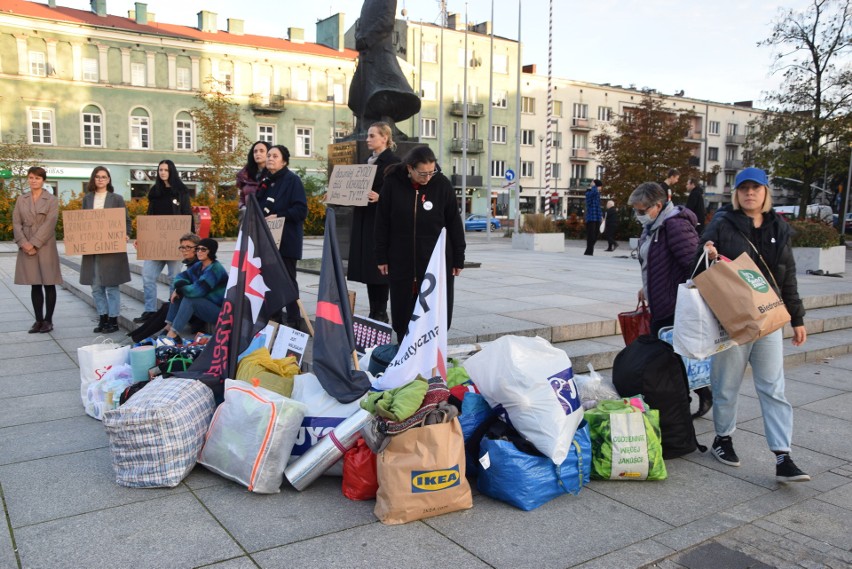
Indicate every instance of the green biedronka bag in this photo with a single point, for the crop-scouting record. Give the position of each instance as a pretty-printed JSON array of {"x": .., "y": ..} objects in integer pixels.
[{"x": 626, "y": 443}]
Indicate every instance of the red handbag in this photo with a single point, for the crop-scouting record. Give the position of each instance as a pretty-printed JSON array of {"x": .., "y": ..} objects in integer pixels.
[
  {"x": 359, "y": 472},
  {"x": 636, "y": 323}
]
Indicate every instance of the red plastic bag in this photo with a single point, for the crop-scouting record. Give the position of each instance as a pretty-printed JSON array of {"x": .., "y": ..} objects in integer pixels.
[
  {"x": 359, "y": 472},
  {"x": 636, "y": 323}
]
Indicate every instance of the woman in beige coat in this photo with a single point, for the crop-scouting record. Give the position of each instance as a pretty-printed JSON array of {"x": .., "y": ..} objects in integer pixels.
[{"x": 34, "y": 224}]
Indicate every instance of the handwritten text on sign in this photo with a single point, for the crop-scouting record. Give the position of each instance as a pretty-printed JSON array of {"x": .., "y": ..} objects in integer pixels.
[
  {"x": 95, "y": 231},
  {"x": 158, "y": 236},
  {"x": 350, "y": 185},
  {"x": 276, "y": 226}
]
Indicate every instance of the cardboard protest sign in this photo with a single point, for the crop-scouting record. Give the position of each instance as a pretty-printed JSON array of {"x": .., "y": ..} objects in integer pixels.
[
  {"x": 276, "y": 227},
  {"x": 95, "y": 231},
  {"x": 350, "y": 185},
  {"x": 158, "y": 236}
]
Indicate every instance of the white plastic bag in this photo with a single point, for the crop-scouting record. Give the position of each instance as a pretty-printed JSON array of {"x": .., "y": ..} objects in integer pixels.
[
  {"x": 251, "y": 436},
  {"x": 592, "y": 388},
  {"x": 96, "y": 360},
  {"x": 103, "y": 395},
  {"x": 534, "y": 382},
  {"x": 697, "y": 332}
]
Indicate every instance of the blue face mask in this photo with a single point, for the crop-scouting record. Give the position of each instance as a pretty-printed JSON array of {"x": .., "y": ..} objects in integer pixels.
[{"x": 644, "y": 219}]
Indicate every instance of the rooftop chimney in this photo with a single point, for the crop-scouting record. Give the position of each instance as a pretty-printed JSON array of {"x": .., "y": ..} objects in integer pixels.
[
  {"x": 236, "y": 27},
  {"x": 455, "y": 21},
  {"x": 330, "y": 32},
  {"x": 142, "y": 13},
  {"x": 99, "y": 7},
  {"x": 207, "y": 21},
  {"x": 51, "y": 4},
  {"x": 296, "y": 35}
]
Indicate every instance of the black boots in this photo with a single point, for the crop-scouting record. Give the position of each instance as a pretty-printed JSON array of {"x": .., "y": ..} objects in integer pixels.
[
  {"x": 106, "y": 324},
  {"x": 705, "y": 401},
  {"x": 380, "y": 315}
]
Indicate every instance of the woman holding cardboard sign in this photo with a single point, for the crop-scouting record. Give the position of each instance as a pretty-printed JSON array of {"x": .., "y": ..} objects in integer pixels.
[
  {"x": 105, "y": 272},
  {"x": 750, "y": 225},
  {"x": 362, "y": 257}
]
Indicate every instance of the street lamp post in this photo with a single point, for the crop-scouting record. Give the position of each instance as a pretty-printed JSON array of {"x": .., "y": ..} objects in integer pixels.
[
  {"x": 540, "y": 162},
  {"x": 333, "y": 100}
]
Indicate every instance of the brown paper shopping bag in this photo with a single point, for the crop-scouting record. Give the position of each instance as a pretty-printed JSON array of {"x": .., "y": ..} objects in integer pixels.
[
  {"x": 422, "y": 474},
  {"x": 742, "y": 299}
]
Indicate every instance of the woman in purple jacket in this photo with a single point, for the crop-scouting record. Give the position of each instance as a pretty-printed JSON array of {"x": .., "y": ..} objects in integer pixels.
[{"x": 666, "y": 250}]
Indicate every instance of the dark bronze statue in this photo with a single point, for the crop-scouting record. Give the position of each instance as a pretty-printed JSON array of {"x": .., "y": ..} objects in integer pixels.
[{"x": 379, "y": 90}]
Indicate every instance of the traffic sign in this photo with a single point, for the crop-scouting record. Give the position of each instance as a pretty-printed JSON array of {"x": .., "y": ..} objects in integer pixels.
[{"x": 510, "y": 174}]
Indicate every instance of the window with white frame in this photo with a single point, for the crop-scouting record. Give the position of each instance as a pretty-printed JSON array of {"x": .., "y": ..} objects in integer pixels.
[
  {"x": 749, "y": 130},
  {"x": 713, "y": 127},
  {"x": 731, "y": 153},
  {"x": 556, "y": 170},
  {"x": 557, "y": 140},
  {"x": 557, "y": 108},
  {"x": 732, "y": 128},
  {"x": 500, "y": 99},
  {"x": 581, "y": 111},
  {"x": 38, "y": 64},
  {"x": 92, "y": 122},
  {"x": 183, "y": 131},
  {"x": 528, "y": 105},
  {"x": 579, "y": 141},
  {"x": 501, "y": 63},
  {"x": 729, "y": 180},
  {"x": 599, "y": 172},
  {"x": 41, "y": 126},
  {"x": 498, "y": 133},
  {"x": 429, "y": 90},
  {"x": 266, "y": 133},
  {"x": 472, "y": 166},
  {"x": 578, "y": 171},
  {"x": 430, "y": 52},
  {"x": 605, "y": 114},
  {"x": 137, "y": 74},
  {"x": 527, "y": 169},
  {"x": 713, "y": 153},
  {"x": 304, "y": 141},
  {"x": 428, "y": 128},
  {"x": 455, "y": 165},
  {"x": 527, "y": 137},
  {"x": 140, "y": 129},
  {"x": 183, "y": 80},
  {"x": 602, "y": 142},
  {"x": 498, "y": 168},
  {"x": 90, "y": 69}
]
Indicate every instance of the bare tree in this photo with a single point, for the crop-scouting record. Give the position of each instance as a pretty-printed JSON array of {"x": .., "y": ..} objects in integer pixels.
[
  {"x": 811, "y": 112},
  {"x": 223, "y": 144}
]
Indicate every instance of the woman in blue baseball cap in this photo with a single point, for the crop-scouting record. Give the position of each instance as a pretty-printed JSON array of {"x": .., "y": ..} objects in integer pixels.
[{"x": 749, "y": 225}]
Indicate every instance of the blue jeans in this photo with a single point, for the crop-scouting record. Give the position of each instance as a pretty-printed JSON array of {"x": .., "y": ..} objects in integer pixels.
[
  {"x": 182, "y": 309},
  {"x": 107, "y": 298},
  {"x": 766, "y": 356},
  {"x": 150, "y": 272}
]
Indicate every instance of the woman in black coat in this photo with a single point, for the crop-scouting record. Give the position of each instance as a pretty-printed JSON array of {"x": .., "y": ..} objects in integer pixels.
[
  {"x": 362, "y": 257},
  {"x": 281, "y": 193},
  {"x": 417, "y": 202},
  {"x": 611, "y": 217}
]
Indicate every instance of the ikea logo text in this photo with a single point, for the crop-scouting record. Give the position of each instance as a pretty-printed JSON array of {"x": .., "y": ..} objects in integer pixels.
[{"x": 434, "y": 480}]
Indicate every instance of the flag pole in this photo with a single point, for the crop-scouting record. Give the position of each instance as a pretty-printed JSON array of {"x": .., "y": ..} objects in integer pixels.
[
  {"x": 355, "y": 360},
  {"x": 304, "y": 314}
]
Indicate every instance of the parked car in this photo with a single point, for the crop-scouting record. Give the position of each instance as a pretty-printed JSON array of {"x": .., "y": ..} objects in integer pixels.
[
  {"x": 477, "y": 222},
  {"x": 814, "y": 211}
]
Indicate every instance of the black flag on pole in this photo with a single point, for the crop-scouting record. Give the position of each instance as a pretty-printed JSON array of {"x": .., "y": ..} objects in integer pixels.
[
  {"x": 259, "y": 287},
  {"x": 334, "y": 338}
]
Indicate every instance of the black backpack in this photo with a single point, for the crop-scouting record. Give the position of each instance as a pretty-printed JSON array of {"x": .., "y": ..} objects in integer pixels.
[{"x": 650, "y": 367}]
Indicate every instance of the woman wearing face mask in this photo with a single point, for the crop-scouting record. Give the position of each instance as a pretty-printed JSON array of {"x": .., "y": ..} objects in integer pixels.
[
  {"x": 362, "y": 257},
  {"x": 249, "y": 176},
  {"x": 280, "y": 193},
  {"x": 666, "y": 250}
]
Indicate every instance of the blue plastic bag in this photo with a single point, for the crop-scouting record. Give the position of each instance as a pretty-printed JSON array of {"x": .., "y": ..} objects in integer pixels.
[
  {"x": 526, "y": 481},
  {"x": 475, "y": 409}
]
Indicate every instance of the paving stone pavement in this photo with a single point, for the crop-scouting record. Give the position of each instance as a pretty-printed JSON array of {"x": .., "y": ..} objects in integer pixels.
[{"x": 62, "y": 508}]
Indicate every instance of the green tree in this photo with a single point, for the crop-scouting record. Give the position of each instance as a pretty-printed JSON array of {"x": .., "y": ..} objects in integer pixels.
[
  {"x": 642, "y": 144},
  {"x": 223, "y": 144},
  {"x": 16, "y": 156},
  {"x": 810, "y": 115}
]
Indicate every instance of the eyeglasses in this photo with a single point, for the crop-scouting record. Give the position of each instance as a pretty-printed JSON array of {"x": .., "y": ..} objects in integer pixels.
[
  {"x": 644, "y": 211},
  {"x": 186, "y": 247},
  {"x": 425, "y": 174},
  {"x": 202, "y": 249}
]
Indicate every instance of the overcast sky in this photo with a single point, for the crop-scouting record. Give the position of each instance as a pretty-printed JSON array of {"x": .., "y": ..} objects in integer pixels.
[{"x": 705, "y": 48}]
